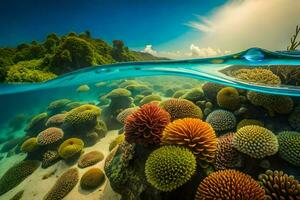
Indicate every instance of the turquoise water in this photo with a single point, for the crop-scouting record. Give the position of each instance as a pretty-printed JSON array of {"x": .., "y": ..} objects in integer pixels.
[{"x": 276, "y": 106}]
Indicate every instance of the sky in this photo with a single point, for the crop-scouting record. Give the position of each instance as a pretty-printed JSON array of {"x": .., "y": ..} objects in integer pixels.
[{"x": 168, "y": 28}]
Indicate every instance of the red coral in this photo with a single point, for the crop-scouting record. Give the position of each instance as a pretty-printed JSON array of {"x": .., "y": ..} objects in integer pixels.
[{"x": 145, "y": 125}]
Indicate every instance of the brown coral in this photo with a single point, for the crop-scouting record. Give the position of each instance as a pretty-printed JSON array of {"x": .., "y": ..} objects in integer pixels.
[
  {"x": 229, "y": 184},
  {"x": 146, "y": 125},
  {"x": 56, "y": 120},
  {"x": 279, "y": 185},
  {"x": 50, "y": 136},
  {"x": 90, "y": 159},
  {"x": 49, "y": 158},
  {"x": 195, "y": 134}
]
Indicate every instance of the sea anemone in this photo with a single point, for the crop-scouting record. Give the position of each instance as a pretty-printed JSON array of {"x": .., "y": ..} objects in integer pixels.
[
  {"x": 29, "y": 145},
  {"x": 169, "y": 167},
  {"x": 221, "y": 120},
  {"x": 289, "y": 146},
  {"x": 228, "y": 98},
  {"x": 181, "y": 108},
  {"x": 121, "y": 117},
  {"x": 64, "y": 184},
  {"x": 83, "y": 117},
  {"x": 150, "y": 98},
  {"x": 92, "y": 179},
  {"x": 255, "y": 141},
  {"x": 90, "y": 159},
  {"x": 229, "y": 184},
  {"x": 279, "y": 185},
  {"x": 70, "y": 148},
  {"x": 246, "y": 122},
  {"x": 194, "y": 134},
  {"x": 16, "y": 174},
  {"x": 50, "y": 136},
  {"x": 56, "y": 120},
  {"x": 145, "y": 126},
  {"x": 227, "y": 157},
  {"x": 49, "y": 158}
]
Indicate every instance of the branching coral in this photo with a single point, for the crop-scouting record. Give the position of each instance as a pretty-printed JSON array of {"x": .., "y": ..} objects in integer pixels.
[
  {"x": 90, "y": 159},
  {"x": 16, "y": 174},
  {"x": 50, "y": 136},
  {"x": 221, "y": 120},
  {"x": 169, "y": 167},
  {"x": 228, "y": 98},
  {"x": 194, "y": 134},
  {"x": 64, "y": 184},
  {"x": 145, "y": 126},
  {"x": 227, "y": 157},
  {"x": 229, "y": 184},
  {"x": 92, "y": 179},
  {"x": 70, "y": 148},
  {"x": 181, "y": 108},
  {"x": 255, "y": 141},
  {"x": 279, "y": 185},
  {"x": 289, "y": 146}
]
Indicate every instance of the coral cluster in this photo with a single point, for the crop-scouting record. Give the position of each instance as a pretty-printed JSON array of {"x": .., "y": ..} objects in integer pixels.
[
  {"x": 169, "y": 167},
  {"x": 289, "y": 146},
  {"x": 194, "y": 134},
  {"x": 229, "y": 184}
]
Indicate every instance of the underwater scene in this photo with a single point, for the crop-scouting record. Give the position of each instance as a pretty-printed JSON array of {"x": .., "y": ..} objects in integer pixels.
[{"x": 156, "y": 130}]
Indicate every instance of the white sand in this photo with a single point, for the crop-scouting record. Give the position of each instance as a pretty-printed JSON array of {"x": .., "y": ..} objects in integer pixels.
[{"x": 35, "y": 188}]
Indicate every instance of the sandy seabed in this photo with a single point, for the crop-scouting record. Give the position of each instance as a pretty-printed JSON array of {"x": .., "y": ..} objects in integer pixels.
[{"x": 35, "y": 187}]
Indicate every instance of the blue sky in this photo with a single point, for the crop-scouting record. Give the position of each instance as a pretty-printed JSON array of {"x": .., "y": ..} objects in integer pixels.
[{"x": 137, "y": 22}]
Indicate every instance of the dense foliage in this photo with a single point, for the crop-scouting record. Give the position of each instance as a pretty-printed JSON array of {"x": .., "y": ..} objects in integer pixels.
[{"x": 41, "y": 61}]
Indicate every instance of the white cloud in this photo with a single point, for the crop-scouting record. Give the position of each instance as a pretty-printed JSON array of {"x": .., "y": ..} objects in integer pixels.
[
  {"x": 241, "y": 24},
  {"x": 149, "y": 49}
]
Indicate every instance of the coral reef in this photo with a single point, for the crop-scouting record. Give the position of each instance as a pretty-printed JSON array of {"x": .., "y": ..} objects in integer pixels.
[
  {"x": 246, "y": 122},
  {"x": 255, "y": 141},
  {"x": 227, "y": 157},
  {"x": 92, "y": 179},
  {"x": 169, "y": 167},
  {"x": 279, "y": 185},
  {"x": 289, "y": 146},
  {"x": 49, "y": 136},
  {"x": 16, "y": 174},
  {"x": 49, "y": 158},
  {"x": 56, "y": 120},
  {"x": 229, "y": 184},
  {"x": 228, "y": 98},
  {"x": 149, "y": 99},
  {"x": 64, "y": 184},
  {"x": 194, "y": 134},
  {"x": 90, "y": 159},
  {"x": 29, "y": 145},
  {"x": 181, "y": 108},
  {"x": 70, "y": 148},
  {"x": 221, "y": 120},
  {"x": 145, "y": 126}
]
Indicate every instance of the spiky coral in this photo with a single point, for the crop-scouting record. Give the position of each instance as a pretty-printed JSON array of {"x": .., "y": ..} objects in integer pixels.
[
  {"x": 50, "y": 136},
  {"x": 255, "y": 141},
  {"x": 228, "y": 98},
  {"x": 145, "y": 126},
  {"x": 258, "y": 76},
  {"x": 70, "y": 148},
  {"x": 83, "y": 117},
  {"x": 221, "y": 120},
  {"x": 246, "y": 122},
  {"x": 64, "y": 184},
  {"x": 279, "y": 185},
  {"x": 90, "y": 159},
  {"x": 29, "y": 145},
  {"x": 289, "y": 146},
  {"x": 181, "y": 108},
  {"x": 169, "y": 167},
  {"x": 16, "y": 174},
  {"x": 272, "y": 103},
  {"x": 194, "y": 134},
  {"x": 229, "y": 184},
  {"x": 227, "y": 157},
  {"x": 92, "y": 179}
]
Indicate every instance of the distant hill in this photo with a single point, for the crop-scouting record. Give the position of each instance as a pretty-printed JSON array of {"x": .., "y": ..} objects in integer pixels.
[{"x": 36, "y": 62}]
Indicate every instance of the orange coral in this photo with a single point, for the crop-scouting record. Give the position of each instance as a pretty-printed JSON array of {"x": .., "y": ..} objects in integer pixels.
[
  {"x": 229, "y": 184},
  {"x": 145, "y": 126},
  {"x": 195, "y": 134}
]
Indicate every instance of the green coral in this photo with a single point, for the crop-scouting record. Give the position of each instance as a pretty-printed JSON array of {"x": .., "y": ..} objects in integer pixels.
[
  {"x": 92, "y": 179},
  {"x": 64, "y": 184},
  {"x": 29, "y": 145},
  {"x": 116, "y": 141},
  {"x": 169, "y": 167},
  {"x": 150, "y": 98},
  {"x": 194, "y": 95},
  {"x": 289, "y": 146},
  {"x": 70, "y": 148},
  {"x": 16, "y": 174},
  {"x": 221, "y": 120}
]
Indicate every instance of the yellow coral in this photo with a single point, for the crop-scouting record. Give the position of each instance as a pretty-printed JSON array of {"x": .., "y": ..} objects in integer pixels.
[
  {"x": 70, "y": 147},
  {"x": 246, "y": 122},
  {"x": 258, "y": 75},
  {"x": 29, "y": 145}
]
